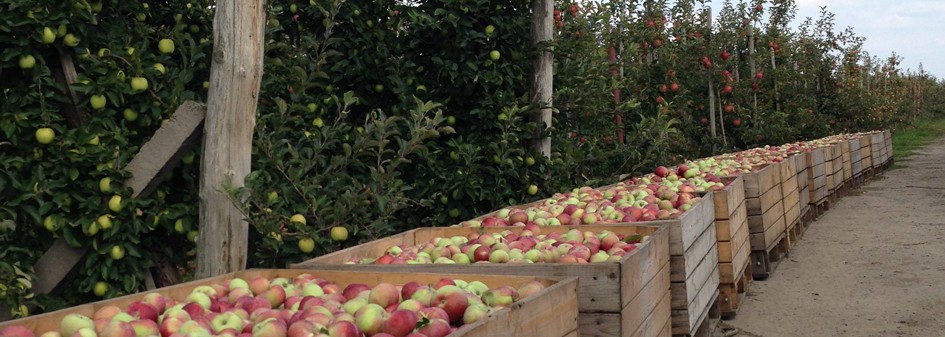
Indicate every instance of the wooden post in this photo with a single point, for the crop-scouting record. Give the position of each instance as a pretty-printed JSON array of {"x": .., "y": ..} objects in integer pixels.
[
  {"x": 541, "y": 81},
  {"x": 708, "y": 14},
  {"x": 235, "y": 74}
]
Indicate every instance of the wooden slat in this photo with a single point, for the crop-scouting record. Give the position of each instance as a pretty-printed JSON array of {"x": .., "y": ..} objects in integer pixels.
[
  {"x": 727, "y": 199},
  {"x": 724, "y": 229},
  {"x": 788, "y": 169},
  {"x": 658, "y": 324},
  {"x": 730, "y": 270},
  {"x": 727, "y": 249},
  {"x": 683, "y": 293},
  {"x": 757, "y": 206},
  {"x": 163, "y": 151},
  {"x": 760, "y": 223},
  {"x": 767, "y": 240},
  {"x": 688, "y": 319},
  {"x": 815, "y": 157},
  {"x": 761, "y": 180},
  {"x": 684, "y": 231},
  {"x": 633, "y": 317},
  {"x": 683, "y": 266}
]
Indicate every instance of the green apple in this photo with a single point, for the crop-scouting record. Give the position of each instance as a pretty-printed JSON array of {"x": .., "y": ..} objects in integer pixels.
[
  {"x": 130, "y": 114},
  {"x": 166, "y": 46},
  {"x": 297, "y": 218},
  {"x": 100, "y": 289},
  {"x": 98, "y": 102},
  {"x": 318, "y": 122},
  {"x": 71, "y": 323},
  {"x": 494, "y": 55},
  {"x": 532, "y": 189},
  {"x": 339, "y": 233},
  {"x": 105, "y": 221},
  {"x": 70, "y": 40},
  {"x": 49, "y": 36},
  {"x": 114, "y": 203},
  {"x": 160, "y": 68},
  {"x": 139, "y": 84},
  {"x": 306, "y": 245},
  {"x": 27, "y": 62},
  {"x": 490, "y": 30},
  {"x": 45, "y": 135},
  {"x": 117, "y": 253}
]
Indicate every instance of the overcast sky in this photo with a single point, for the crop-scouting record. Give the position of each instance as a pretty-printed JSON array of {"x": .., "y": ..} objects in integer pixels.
[{"x": 914, "y": 29}]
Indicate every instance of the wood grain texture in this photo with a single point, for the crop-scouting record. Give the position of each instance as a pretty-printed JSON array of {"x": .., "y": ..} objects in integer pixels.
[
  {"x": 235, "y": 73},
  {"x": 760, "y": 205},
  {"x": 759, "y": 223},
  {"x": 761, "y": 180},
  {"x": 635, "y": 316},
  {"x": 687, "y": 320},
  {"x": 683, "y": 266},
  {"x": 163, "y": 151},
  {"x": 728, "y": 249},
  {"x": 707, "y": 272},
  {"x": 725, "y": 229},
  {"x": 542, "y": 82},
  {"x": 730, "y": 197}
]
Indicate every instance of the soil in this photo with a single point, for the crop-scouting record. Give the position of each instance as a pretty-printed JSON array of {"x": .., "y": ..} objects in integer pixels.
[{"x": 873, "y": 265}]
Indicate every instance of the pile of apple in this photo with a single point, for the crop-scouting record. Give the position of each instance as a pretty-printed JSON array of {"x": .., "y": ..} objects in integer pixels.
[
  {"x": 303, "y": 306},
  {"x": 619, "y": 203},
  {"x": 573, "y": 246}
]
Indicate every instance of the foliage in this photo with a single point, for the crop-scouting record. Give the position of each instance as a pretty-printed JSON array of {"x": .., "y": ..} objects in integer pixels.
[{"x": 384, "y": 116}]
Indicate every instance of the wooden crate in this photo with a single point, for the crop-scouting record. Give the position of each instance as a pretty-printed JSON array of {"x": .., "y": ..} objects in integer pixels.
[
  {"x": 615, "y": 298},
  {"x": 691, "y": 293},
  {"x": 551, "y": 312},
  {"x": 828, "y": 167},
  {"x": 734, "y": 253},
  {"x": 764, "y": 178},
  {"x": 789, "y": 193},
  {"x": 877, "y": 145},
  {"x": 866, "y": 152},
  {"x": 729, "y": 198},
  {"x": 846, "y": 169},
  {"x": 856, "y": 158}
]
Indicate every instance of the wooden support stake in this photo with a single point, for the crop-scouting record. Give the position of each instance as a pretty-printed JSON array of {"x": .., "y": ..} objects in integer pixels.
[
  {"x": 541, "y": 81},
  {"x": 235, "y": 74},
  {"x": 163, "y": 151}
]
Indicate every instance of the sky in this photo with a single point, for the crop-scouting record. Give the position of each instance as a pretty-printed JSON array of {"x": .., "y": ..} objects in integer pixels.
[{"x": 914, "y": 29}]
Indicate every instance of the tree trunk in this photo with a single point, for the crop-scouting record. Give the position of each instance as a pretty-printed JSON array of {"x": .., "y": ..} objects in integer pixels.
[
  {"x": 235, "y": 74},
  {"x": 541, "y": 86}
]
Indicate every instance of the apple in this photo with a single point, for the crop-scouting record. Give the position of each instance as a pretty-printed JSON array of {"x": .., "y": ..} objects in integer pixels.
[
  {"x": 435, "y": 328},
  {"x": 306, "y": 245},
  {"x": 145, "y": 327},
  {"x": 16, "y": 331},
  {"x": 139, "y": 84},
  {"x": 384, "y": 294},
  {"x": 98, "y": 102},
  {"x": 401, "y": 322},
  {"x": 85, "y": 332},
  {"x": 371, "y": 318},
  {"x": 475, "y": 312},
  {"x": 27, "y": 62},
  {"x": 494, "y": 55},
  {"x": 451, "y": 299},
  {"x": 270, "y": 327},
  {"x": 166, "y": 46},
  {"x": 45, "y": 135},
  {"x": 73, "y": 322},
  {"x": 339, "y": 233},
  {"x": 352, "y": 290},
  {"x": 142, "y": 311}
]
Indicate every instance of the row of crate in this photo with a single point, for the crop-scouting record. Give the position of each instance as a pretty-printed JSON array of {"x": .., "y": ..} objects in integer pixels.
[{"x": 691, "y": 269}]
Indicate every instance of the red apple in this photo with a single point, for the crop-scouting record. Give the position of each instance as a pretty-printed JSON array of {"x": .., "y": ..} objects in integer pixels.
[{"x": 401, "y": 322}]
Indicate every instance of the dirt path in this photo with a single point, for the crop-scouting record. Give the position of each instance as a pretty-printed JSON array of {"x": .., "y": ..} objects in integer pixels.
[{"x": 874, "y": 265}]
